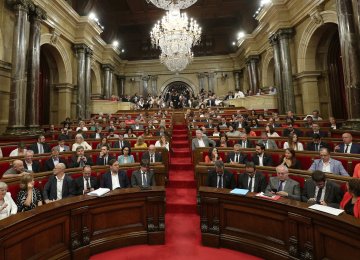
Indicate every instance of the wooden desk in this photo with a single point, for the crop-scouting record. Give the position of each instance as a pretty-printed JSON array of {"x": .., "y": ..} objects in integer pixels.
[
  {"x": 283, "y": 229},
  {"x": 78, "y": 227}
]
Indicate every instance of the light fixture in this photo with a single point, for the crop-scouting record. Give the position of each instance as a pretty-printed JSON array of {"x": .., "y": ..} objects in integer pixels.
[
  {"x": 172, "y": 4},
  {"x": 240, "y": 35},
  {"x": 176, "y": 35},
  {"x": 115, "y": 44}
]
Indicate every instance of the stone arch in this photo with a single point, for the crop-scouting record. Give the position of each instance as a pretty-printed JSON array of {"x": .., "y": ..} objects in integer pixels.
[
  {"x": 185, "y": 80},
  {"x": 60, "y": 56},
  {"x": 308, "y": 44},
  {"x": 268, "y": 69}
]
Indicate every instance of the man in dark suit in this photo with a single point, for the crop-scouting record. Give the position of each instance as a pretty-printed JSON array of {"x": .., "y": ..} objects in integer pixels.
[
  {"x": 236, "y": 156},
  {"x": 252, "y": 180},
  {"x": 40, "y": 146},
  {"x": 291, "y": 130},
  {"x": 318, "y": 190},
  {"x": 220, "y": 178},
  {"x": 316, "y": 130},
  {"x": 97, "y": 135},
  {"x": 80, "y": 160},
  {"x": 144, "y": 176},
  {"x": 348, "y": 146},
  {"x": 244, "y": 142},
  {"x": 316, "y": 144},
  {"x": 54, "y": 159},
  {"x": 211, "y": 102},
  {"x": 59, "y": 179},
  {"x": 121, "y": 142},
  {"x": 114, "y": 179},
  {"x": 86, "y": 183},
  {"x": 260, "y": 158},
  {"x": 104, "y": 157},
  {"x": 151, "y": 155},
  {"x": 29, "y": 164}
]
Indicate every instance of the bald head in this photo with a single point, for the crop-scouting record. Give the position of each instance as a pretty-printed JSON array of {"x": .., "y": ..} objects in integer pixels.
[{"x": 347, "y": 138}]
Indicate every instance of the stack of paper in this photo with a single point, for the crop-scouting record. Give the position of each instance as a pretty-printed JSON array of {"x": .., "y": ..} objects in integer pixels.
[
  {"x": 99, "y": 192},
  {"x": 268, "y": 196},
  {"x": 326, "y": 209},
  {"x": 242, "y": 192}
]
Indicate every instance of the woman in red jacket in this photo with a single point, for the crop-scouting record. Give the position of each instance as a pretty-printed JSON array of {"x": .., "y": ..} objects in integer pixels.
[{"x": 351, "y": 200}]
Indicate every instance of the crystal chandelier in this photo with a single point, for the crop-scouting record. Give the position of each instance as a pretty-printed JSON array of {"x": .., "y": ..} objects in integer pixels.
[
  {"x": 172, "y": 4},
  {"x": 175, "y": 36}
]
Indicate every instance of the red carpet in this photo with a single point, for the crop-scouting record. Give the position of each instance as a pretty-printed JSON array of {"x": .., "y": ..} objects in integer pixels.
[{"x": 183, "y": 238}]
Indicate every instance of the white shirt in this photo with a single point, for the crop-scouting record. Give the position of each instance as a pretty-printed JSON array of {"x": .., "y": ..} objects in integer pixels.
[
  {"x": 61, "y": 148},
  {"x": 83, "y": 144},
  {"x": 348, "y": 149},
  {"x": 97, "y": 136},
  {"x": 261, "y": 158},
  {"x": 298, "y": 147},
  {"x": 326, "y": 167},
  {"x": 29, "y": 166},
  {"x": 201, "y": 142},
  {"x": 16, "y": 152},
  {"x": 59, "y": 186},
  {"x": 40, "y": 148},
  {"x": 143, "y": 179},
  {"x": 158, "y": 144},
  {"x": 55, "y": 161},
  {"x": 251, "y": 189},
  {"x": 216, "y": 134},
  {"x": 11, "y": 208},
  {"x": 83, "y": 129},
  {"x": 115, "y": 181},
  {"x": 85, "y": 184}
]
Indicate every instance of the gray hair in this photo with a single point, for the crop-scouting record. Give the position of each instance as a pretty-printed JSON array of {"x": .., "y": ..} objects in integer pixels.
[
  {"x": 282, "y": 167},
  {"x": 3, "y": 185},
  {"x": 62, "y": 165},
  {"x": 219, "y": 164},
  {"x": 30, "y": 151}
]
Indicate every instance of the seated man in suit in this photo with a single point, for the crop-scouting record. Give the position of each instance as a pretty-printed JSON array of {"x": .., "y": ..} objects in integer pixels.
[
  {"x": 316, "y": 130},
  {"x": 321, "y": 191},
  {"x": 104, "y": 157},
  {"x": 137, "y": 125},
  {"x": 114, "y": 179},
  {"x": 220, "y": 177},
  {"x": 17, "y": 170},
  {"x": 151, "y": 155},
  {"x": 260, "y": 158},
  {"x": 316, "y": 144},
  {"x": 61, "y": 145},
  {"x": 144, "y": 176},
  {"x": 86, "y": 183},
  {"x": 223, "y": 123},
  {"x": 40, "y": 146},
  {"x": 244, "y": 142},
  {"x": 59, "y": 185},
  {"x": 80, "y": 160},
  {"x": 29, "y": 164},
  {"x": 54, "y": 159},
  {"x": 291, "y": 130},
  {"x": 282, "y": 185},
  {"x": 348, "y": 146},
  {"x": 251, "y": 179},
  {"x": 268, "y": 143},
  {"x": 97, "y": 134},
  {"x": 121, "y": 142},
  {"x": 199, "y": 140},
  {"x": 327, "y": 164},
  {"x": 236, "y": 156}
]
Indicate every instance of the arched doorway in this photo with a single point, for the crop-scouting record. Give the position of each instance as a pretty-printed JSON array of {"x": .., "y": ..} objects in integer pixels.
[
  {"x": 174, "y": 90},
  {"x": 46, "y": 61}
]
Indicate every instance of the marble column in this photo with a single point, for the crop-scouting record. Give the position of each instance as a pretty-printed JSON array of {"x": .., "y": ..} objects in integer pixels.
[
  {"x": 308, "y": 82},
  {"x": 18, "y": 73},
  {"x": 287, "y": 76},
  {"x": 248, "y": 70},
  {"x": 252, "y": 66},
  {"x": 88, "y": 55},
  {"x": 145, "y": 83},
  {"x": 108, "y": 71},
  {"x": 121, "y": 85},
  {"x": 37, "y": 14},
  {"x": 154, "y": 85},
  {"x": 237, "y": 80},
  {"x": 201, "y": 78},
  {"x": 274, "y": 41},
  {"x": 211, "y": 82},
  {"x": 65, "y": 91},
  {"x": 349, "y": 27},
  {"x": 80, "y": 50}
]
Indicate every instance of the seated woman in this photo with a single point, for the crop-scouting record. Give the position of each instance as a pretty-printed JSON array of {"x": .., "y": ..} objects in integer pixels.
[
  {"x": 7, "y": 204},
  {"x": 81, "y": 127},
  {"x": 147, "y": 132},
  {"x": 232, "y": 132},
  {"x": 28, "y": 197},
  {"x": 162, "y": 142},
  {"x": 79, "y": 141},
  {"x": 140, "y": 143},
  {"x": 104, "y": 141},
  {"x": 270, "y": 131},
  {"x": 357, "y": 171},
  {"x": 129, "y": 133},
  {"x": 289, "y": 159},
  {"x": 351, "y": 200},
  {"x": 254, "y": 123},
  {"x": 212, "y": 156},
  {"x": 249, "y": 132},
  {"x": 126, "y": 156},
  {"x": 293, "y": 143},
  {"x": 261, "y": 118},
  {"x": 223, "y": 141},
  {"x": 216, "y": 131}
]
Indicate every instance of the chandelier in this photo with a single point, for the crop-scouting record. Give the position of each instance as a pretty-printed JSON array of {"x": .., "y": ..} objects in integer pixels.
[
  {"x": 172, "y": 4},
  {"x": 175, "y": 35}
]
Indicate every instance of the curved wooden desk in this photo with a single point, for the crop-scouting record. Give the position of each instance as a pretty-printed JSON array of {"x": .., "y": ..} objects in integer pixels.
[
  {"x": 283, "y": 229},
  {"x": 78, "y": 227}
]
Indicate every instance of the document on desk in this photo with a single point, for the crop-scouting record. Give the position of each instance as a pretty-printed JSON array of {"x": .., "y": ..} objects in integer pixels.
[
  {"x": 326, "y": 209},
  {"x": 241, "y": 192},
  {"x": 99, "y": 192},
  {"x": 268, "y": 196}
]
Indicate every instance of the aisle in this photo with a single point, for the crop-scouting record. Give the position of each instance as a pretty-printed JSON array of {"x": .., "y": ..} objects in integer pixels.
[{"x": 182, "y": 236}]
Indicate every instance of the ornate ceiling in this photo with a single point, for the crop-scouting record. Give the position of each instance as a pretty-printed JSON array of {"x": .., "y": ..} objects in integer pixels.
[{"x": 130, "y": 22}]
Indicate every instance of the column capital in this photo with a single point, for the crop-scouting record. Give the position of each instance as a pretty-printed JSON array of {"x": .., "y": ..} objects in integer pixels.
[
  {"x": 285, "y": 33},
  {"x": 274, "y": 39},
  {"x": 88, "y": 51},
  {"x": 80, "y": 48},
  {"x": 24, "y": 5},
  {"x": 37, "y": 13},
  {"x": 107, "y": 67},
  {"x": 120, "y": 77},
  {"x": 252, "y": 59},
  {"x": 146, "y": 78},
  {"x": 64, "y": 87}
]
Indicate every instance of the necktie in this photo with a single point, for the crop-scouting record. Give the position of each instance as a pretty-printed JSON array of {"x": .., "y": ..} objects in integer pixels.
[
  {"x": 143, "y": 179},
  {"x": 41, "y": 149},
  {"x": 87, "y": 184},
  {"x": 266, "y": 144},
  {"x": 318, "y": 197},
  {"x": 220, "y": 183},
  {"x": 237, "y": 158},
  {"x": 280, "y": 186},
  {"x": 346, "y": 149},
  {"x": 316, "y": 147},
  {"x": 105, "y": 160},
  {"x": 82, "y": 163},
  {"x": 250, "y": 184}
]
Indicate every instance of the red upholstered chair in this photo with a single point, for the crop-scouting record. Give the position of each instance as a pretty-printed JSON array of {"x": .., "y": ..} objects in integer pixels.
[
  {"x": 6, "y": 150},
  {"x": 4, "y": 166},
  {"x": 305, "y": 160},
  {"x": 299, "y": 179}
]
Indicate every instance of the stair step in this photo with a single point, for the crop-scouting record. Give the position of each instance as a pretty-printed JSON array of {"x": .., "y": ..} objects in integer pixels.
[
  {"x": 179, "y": 132},
  {"x": 179, "y": 144},
  {"x": 181, "y": 184},
  {"x": 185, "y": 208}
]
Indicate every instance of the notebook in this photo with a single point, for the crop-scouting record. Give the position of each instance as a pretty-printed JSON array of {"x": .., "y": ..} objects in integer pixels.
[
  {"x": 241, "y": 192},
  {"x": 99, "y": 192}
]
